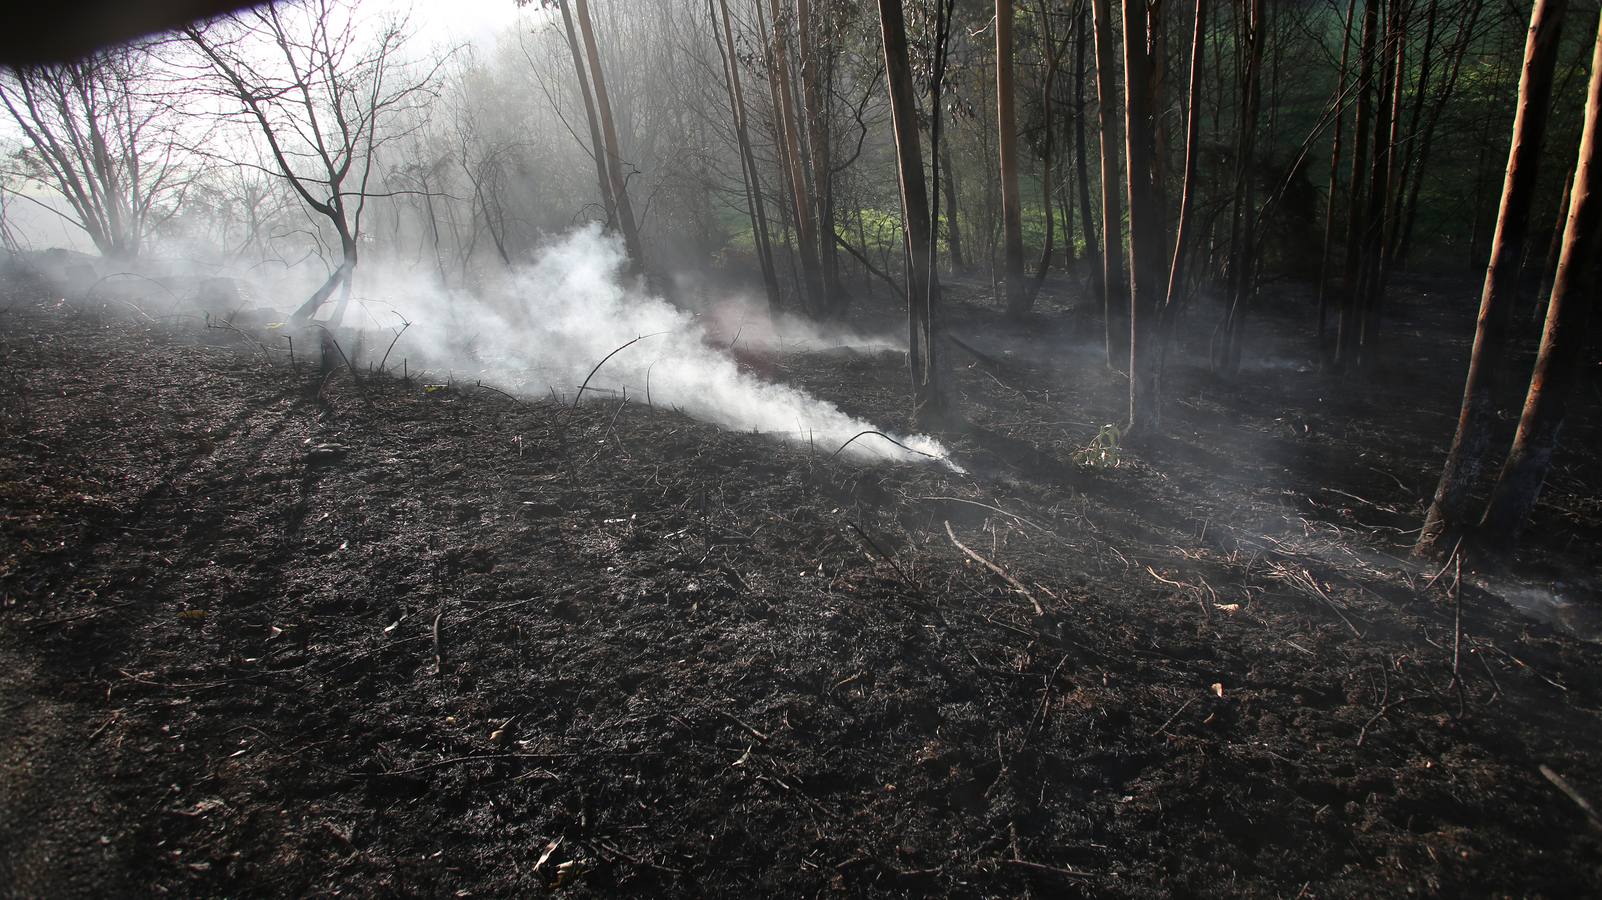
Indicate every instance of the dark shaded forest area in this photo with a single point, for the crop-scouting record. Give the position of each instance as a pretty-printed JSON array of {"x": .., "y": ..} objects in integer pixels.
[{"x": 802, "y": 447}]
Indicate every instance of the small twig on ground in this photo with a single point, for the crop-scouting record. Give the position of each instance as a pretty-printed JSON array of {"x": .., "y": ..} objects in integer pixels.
[
  {"x": 1171, "y": 718},
  {"x": 1437, "y": 576},
  {"x": 439, "y": 652},
  {"x": 497, "y": 390},
  {"x": 998, "y": 509},
  {"x": 1457, "y": 636},
  {"x": 887, "y": 558},
  {"x": 999, "y": 571},
  {"x": 1048, "y": 870},
  {"x": 580, "y": 395},
  {"x": 1561, "y": 784}
]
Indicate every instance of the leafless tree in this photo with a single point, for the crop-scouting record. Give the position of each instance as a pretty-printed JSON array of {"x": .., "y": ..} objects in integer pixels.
[
  {"x": 322, "y": 91},
  {"x": 100, "y": 133}
]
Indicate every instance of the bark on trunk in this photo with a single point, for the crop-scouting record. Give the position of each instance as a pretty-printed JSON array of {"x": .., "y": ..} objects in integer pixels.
[
  {"x": 1007, "y": 139},
  {"x": 930, "y": 397},
  {"x": 597, "y": 150},
  {"x": 1334, "y": 184},
  {"x": 789, "y": 127},
  {"x": 1112, "y": 241},
  {"x": 614, "y": 159},
  {"x": 753, "y": 178},
  {"x": 1145, "y": 219},
  {"x": 1477, "y": 416},
  {"x": 1557, "y": 366},
  {"x": 1187, "y": 201}
]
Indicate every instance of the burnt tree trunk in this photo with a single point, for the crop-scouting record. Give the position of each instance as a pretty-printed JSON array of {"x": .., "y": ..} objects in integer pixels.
[
  {"x": 1477, "y": 416},
  {"x": 930, "y": 396},
  {"x": 1112, "y": 241},
  {"x": 1007, "y": 141},
  {"x": 1081, "y": 164},
  {"x": 1557, "y": 365},
  {"x": 1145, "y": 217},
  {"x": 1334, "y": 183},
  {"x": 1187, "y": 200}
]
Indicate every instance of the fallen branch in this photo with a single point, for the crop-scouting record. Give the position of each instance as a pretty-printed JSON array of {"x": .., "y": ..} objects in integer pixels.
[
  {"x": 1048, "y": 870},
  {"x": 999, "y": 571},
  {"x": 1568, "y": 789}
]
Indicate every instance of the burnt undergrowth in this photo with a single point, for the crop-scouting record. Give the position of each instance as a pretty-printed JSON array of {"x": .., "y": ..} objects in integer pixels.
[{"x": 275, "y": 630}]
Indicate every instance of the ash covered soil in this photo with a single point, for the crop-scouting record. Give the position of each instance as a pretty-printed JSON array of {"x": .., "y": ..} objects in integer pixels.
[{"x": 266, "y": 633}]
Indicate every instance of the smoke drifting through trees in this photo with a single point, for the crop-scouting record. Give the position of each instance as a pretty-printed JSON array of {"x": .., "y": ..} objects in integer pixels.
[{"x": 752, "y": 142}]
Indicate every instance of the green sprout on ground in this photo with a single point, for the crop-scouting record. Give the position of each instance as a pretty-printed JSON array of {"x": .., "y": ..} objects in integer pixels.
[{"x": 1103, "y": 450}]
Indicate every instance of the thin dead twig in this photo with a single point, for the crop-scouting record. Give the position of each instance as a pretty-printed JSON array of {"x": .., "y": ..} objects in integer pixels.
[
  {"x": 1561, "y": 784},
  {"x": 999, "y": 571},
  {"x": 580, "y": 394}
]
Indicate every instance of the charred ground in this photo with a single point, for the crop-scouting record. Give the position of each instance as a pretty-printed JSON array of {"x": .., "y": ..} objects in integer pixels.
[{"x": 270, "y": 633}]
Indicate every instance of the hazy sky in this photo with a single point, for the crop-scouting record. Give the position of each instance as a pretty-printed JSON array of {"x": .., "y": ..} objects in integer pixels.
[{"x": 455, "y": 21}]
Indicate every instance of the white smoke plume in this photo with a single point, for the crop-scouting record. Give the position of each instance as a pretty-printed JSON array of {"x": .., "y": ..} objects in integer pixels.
[{"x": 550, "y": 322}]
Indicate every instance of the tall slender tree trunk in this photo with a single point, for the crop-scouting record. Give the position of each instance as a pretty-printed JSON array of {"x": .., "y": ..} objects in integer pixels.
[
  {"x": 953, "y": 228},
  {"x": 1334, "y": 183},
  {"x": 1558, "y": 364},
  {"x": 597, "y": 151},
  {"x": 801, "y": 204},
  {"x": 815, "y": 98},
  {"x": 1112, "y": 226},
  {"x": 1347, "y": 337},
  {"x": 1007, "y": 141},
  {"x": 1048, "y": 187},
  {"x": 1477, "y": 416},
  {"x": 1081, "y": 163},
  {"x": 1554, "y": 250},
  {"x": 1420, "y": 157},
  {"x": 1145, "y": 218},
  {"x": 614, "y": 159},
  {"x": 1187, "y": 200},
  {"x": 1405, "y": 172},
  {"x": 1243, "y": 223},
  {"x": 931, "y": 404},
  {"x": 748, "y": 166}
]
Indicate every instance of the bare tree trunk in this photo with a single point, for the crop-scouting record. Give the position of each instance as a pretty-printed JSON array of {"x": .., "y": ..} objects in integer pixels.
[
  {"x": 1554, "y": 250},
  {"x": 1420, "y": 158},
  {"x": 1557, "y": 366},
  {"x": 1187, "y": 199},
  {"x": 597, "y": 151},
  {"x": 1334, "y": 184},
  {"x": 1047, "y": 187},
  {"x": 953, "y": 229},
  {"x": 816, "y": 101},
  {"x": 1478, "y": 413},
  {"x": 1081, "y": 164},
  {"x": 748, "y": 166},
  {"x": 1112, "y": 241},
  {"x": 1347, "y": 337},
  {"x": 1145, "y": 218},
  {"x": 789, "y": 128},
  {"x": 614, "y": 160},
  {"x": 1007, "y": 140},
  {"x": 1243, "y": 224},
  {"x": 931, "y": 405}
]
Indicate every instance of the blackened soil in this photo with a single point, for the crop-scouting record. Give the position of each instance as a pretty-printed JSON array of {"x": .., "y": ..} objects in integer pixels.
[{"x": 268, "y": 633}]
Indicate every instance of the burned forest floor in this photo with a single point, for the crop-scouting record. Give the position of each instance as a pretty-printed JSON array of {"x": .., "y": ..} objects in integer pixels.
[{"x": 272, "y": 632}]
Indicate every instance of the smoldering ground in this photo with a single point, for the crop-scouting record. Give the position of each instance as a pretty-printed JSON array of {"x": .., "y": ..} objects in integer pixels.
[{"x": 568, "y": 322}]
